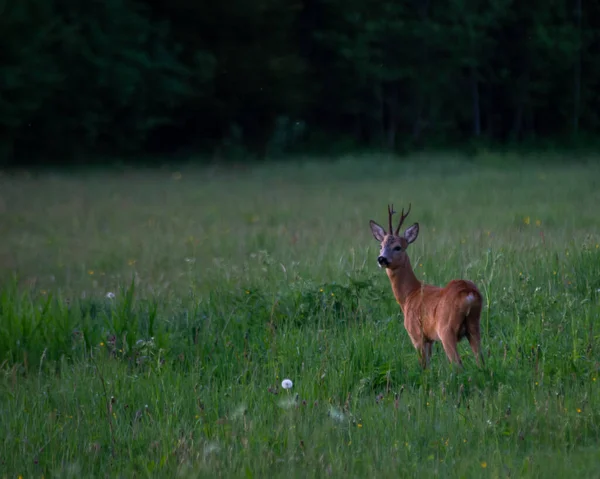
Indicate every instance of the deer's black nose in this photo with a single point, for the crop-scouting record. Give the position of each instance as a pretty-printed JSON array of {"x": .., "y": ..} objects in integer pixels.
[{"x": 383, "y": 261}]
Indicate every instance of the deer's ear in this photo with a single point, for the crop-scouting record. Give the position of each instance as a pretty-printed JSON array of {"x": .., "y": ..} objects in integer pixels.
[
  {"x": 378, "y": 231},
  {"x": 411, "y": 233}
]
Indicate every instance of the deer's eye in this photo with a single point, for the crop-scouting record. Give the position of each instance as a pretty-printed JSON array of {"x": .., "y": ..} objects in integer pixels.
[{"x": 397, "y": 248}]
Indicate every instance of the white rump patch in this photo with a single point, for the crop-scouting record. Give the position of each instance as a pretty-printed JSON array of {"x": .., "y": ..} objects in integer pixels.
[{"x": 470, "y": 298}]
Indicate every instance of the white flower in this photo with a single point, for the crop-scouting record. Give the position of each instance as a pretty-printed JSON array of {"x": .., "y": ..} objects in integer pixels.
[
  {"x": 110, "y": 295},
  {"x": 287, "y": 384}
]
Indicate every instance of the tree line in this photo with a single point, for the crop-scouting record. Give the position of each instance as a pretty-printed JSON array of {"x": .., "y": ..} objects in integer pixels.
[{"x": 268, "y": 77}]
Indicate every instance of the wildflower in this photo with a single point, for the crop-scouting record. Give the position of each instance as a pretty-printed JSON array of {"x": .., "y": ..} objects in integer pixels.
[
  {"x": 593, "y": 379},
  {"x": 101, "y": 344},
  {"x": 131, "y": 262},
  {"x": 484, "y": 464},
  {"x": 359, "y": 425},
  {"x": 527, "y": 220},
  {"x": 176, "y": 175},
  {"x": 110, "y": 295},
  {"x": 287, "y": 384},
  {"x": 91, "y": 272},
  {"x": 579, "y": 410},
  {"x": 538, "y": 222}
]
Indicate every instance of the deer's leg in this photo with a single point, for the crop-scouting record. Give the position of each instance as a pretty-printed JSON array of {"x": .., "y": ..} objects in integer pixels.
[
  {"x": 420, "y": 345},
  {"x": 421, "y": 348},
  {"x": 474, "y": 337},
  {"x": 449, "y": 341},
  {"x": 427, "y": 350}
]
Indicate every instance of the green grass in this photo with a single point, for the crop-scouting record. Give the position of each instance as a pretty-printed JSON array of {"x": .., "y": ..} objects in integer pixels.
[{"x": 228, "y": 280}]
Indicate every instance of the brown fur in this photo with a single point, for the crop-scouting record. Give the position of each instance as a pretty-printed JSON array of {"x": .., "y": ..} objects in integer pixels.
[{"x": 431, "y": 313}]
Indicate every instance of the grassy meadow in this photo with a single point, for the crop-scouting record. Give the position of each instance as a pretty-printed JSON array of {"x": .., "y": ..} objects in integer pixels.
[{"x": 148, "y": 318}]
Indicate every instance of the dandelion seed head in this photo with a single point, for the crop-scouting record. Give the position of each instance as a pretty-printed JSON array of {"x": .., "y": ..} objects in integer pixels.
[
  {"x": 110, "y": 295},
  {"x": 287, "y": 384}
]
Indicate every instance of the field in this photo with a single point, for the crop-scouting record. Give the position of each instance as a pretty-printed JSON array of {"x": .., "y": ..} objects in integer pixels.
[{"x": 148, "y": 318}]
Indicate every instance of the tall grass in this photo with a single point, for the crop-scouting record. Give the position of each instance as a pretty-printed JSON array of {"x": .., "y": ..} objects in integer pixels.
[{"x": 147, "y": 319}]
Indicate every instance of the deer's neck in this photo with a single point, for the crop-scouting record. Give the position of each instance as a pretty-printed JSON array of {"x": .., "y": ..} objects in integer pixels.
[{"x": 404, "y": 281}]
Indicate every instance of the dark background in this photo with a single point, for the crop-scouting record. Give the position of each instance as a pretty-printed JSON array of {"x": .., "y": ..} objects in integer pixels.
[{"x": 82, "y": 80}]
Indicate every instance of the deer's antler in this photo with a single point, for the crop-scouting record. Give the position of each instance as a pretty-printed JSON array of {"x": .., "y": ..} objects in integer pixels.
[
  {"x": 402, "y": 218},
  {"x": 391, "y": 212}
]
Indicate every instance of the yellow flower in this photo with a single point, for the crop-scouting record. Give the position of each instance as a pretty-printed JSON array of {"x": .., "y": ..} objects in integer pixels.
[
  {"x": 484, "y": 464},
  {"x": 131, "y": 262},
  {"x": 578, "y": 410},
  {"x": 359, "y": 425},
  {"x": 593, "y": 379},
  {"x": 101, "y": 343},
  {"x": 538, "y": 222},
  {"x": 526, "y": 220},
  {"x": 91, "y": 271}
]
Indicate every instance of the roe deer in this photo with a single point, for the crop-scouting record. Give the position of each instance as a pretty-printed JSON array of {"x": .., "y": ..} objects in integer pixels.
[{"x": 431, "y": 313}]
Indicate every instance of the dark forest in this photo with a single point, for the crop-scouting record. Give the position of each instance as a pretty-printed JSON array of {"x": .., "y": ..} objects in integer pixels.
[{"x": 272, "y": 77}]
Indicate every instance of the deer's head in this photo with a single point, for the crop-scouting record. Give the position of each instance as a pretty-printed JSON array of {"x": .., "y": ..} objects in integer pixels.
[{"x": 394, "y": 244}]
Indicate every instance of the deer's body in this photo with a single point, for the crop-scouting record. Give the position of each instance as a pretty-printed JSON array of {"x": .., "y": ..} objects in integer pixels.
[{"x": 431, "y": 313}]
